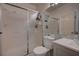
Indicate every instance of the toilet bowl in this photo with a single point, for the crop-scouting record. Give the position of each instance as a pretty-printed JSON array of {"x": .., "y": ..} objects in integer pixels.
[{"x": 42, "y": 51}]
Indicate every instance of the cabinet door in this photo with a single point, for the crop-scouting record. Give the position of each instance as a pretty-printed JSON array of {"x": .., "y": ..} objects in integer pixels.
[
  {"x": 63, "y": 51},
  {"x": 14, "y": 37}
]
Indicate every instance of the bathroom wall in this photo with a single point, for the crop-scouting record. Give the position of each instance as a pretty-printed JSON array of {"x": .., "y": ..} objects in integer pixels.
[{"x": 66, "y": 15}]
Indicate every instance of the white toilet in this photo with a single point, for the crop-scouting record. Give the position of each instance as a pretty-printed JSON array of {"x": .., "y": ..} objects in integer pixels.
[{"x": 42, "y": 51}]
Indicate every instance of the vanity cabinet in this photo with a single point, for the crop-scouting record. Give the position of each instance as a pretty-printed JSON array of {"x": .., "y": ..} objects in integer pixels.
[{"x": 61, "y": 49}]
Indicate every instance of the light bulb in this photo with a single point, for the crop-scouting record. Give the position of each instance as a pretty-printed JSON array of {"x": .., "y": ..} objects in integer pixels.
[{"x": 55, "y": 3}]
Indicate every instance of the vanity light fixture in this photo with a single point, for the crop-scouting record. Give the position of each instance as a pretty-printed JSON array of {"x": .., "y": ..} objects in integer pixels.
[{"x": 53, "y": 4}]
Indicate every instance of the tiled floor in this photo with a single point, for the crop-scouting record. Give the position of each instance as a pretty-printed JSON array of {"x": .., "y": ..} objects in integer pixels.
[{"x": 30, "y": 54}]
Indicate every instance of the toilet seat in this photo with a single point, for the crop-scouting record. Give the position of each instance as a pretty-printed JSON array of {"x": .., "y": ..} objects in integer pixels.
[{"x": 40, "y": 50}]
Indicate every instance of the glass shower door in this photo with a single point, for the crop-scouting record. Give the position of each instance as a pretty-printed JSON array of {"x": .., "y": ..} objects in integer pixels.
[{"x": 14, "y": 37}]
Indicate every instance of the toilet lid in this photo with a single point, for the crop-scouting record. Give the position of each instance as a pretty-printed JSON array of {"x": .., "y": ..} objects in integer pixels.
[{"x": 40, "y": 50}]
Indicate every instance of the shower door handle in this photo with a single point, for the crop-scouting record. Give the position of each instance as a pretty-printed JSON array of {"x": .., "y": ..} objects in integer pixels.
[{"x": 0, "y": 32}]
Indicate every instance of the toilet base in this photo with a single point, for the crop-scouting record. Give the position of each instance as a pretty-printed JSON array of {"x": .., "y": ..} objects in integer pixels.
[
  {"x": 46, "y": 54},
  {"x": 41, "y": 51}
]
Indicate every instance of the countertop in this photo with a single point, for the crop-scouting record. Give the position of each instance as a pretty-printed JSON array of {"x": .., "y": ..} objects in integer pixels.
[{"x": 72, "y": 44}]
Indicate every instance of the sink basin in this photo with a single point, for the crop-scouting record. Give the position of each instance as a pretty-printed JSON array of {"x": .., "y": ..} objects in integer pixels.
[
  {"x": 49, "y": 37},
  {"x": 53, "y": 37}
]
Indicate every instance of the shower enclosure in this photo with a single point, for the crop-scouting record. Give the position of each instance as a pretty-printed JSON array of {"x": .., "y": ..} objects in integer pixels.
[
  {"x": 18, "y": 33},
  {"x": 14, "y": 31}
]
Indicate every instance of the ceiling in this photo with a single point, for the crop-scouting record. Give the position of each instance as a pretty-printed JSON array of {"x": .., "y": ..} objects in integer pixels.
[
  {"x": 38, "y": 4},
  {"x": 46, "y": 6}
]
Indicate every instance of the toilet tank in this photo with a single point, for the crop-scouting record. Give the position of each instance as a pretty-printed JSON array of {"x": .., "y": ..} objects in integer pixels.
[{"x": 48, "y": 42}]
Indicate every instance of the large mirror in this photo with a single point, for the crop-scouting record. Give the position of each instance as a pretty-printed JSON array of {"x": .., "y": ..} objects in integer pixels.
[
  {"x": 60, "y": 21},
  {"x": 50, "y": 25}
]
